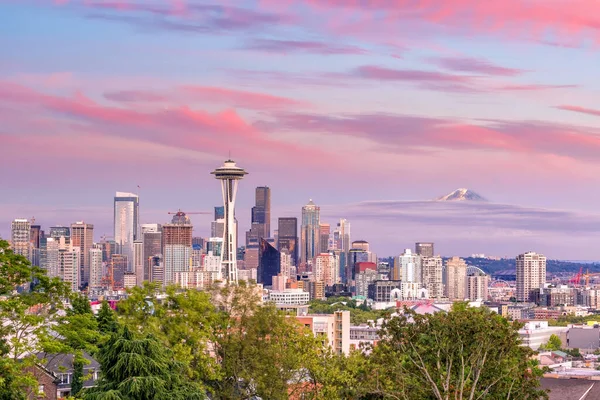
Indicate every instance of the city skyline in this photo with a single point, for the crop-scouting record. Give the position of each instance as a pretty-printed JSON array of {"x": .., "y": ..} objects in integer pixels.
[{"x": 362, "y": 110}]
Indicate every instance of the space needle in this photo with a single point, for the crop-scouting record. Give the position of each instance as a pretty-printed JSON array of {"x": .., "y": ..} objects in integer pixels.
[{"x": 229, "y": 174}]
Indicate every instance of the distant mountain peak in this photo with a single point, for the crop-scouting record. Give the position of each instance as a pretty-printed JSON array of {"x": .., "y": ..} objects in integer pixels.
[{"x": 461, "y": 194}]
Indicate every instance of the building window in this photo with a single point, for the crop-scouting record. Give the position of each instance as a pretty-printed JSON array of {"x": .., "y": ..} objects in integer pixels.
[{"x": 41, "y": 389}]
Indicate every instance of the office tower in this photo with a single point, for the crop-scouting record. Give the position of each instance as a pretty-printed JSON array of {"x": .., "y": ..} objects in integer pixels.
[
  {"x": 424, "y": 249},
  {"x": 531, "y": 274},
  {"x": 432, "y": 276},
  {"x": 341, "y": 242},
  {"x": 310, "y": 232},
  {"x": 61, "y": 231},
  {"x": 198, "y": 241},
  {"x": 287, "y": 228},
  {"x": 118, "y": 268},
  {"x": 326, "y": 268},
  {"x": 20, "y": 234},
  {"x": 177, "y": 246},
  {"x": 286, "y": 264},
  {"x": 477, "y": 286},
  {"x": 229, "y": 174},
  {"x": 152, "y": 239},
  {"x": 324, "y": 233},
  {"x": 69, "y": 266},
  {"x": 49, "y": 247},
  {"x": 96, "y": 268},
  {"x": 157, "y": 271},
  {"x": 456, "y": 279},
  {"x": 36, "y": 236},
  {"x": 138, "y": 261},
  {"x": 252, "y": 255},
  {"x": 407, "y": 267},
  {"x": 261, "y": 212},
  {"x": 126, "y": 221},
  {"x": 219, "y": 212},
  {"x": 269, "y": 263},
  {"x": 364, "y": 280},
  {"x": 355, "y": 255},
  {"x": 82, "y": 236}
]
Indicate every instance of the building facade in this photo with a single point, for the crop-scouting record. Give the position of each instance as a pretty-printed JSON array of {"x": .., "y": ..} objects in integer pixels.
[
  {"x": 287, "y": 237},
  {"x": 432, "y": 276},
  {"x": 456, "y": 279},
  {"x": 531, "y": 274},
  {"x": 126, "y": 223},
  {"x": 311, "y": 219},
  {"x": 424, "y": 249},
  {"x": 407, "y": 267},
  {"x": 82, "y": 236},
  {"x": 20, "y": 238}
]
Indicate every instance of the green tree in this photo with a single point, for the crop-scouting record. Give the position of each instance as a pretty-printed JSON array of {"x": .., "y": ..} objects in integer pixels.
[
  {"x": 142, "y": 369},
  {"x": 467, "y": 353},
  {"x": 554, "y": 343},
  {"x": 106, "y": 319}
]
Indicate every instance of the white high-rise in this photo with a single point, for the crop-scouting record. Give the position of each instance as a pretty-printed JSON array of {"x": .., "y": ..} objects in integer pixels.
[
  {"x": 96, "y": 268},
  {"x": 407, "y": 267},
  {"x": 126, "y": 221},
  {"x": 229, "y": 174},
  {"x": 68, "y": 266},
  {"x": 138, "y": 261},
  {"x": 531, "y": 274},
  {"x": 432, "y": 276},
  {"x": 21, "y": 238}
]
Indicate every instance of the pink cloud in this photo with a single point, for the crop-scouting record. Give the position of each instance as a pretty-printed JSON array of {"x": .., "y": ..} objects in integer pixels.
[
  {"x": 128, "y": 96},
  {"x": 302, "y": 46},
  {"x": 579, "y": 109},
  {"x": 179, "y": 127},
  {"x": 533, "y": 87},
  {"x": 387, "y": 74},
  {"x": 475, "y": 65},
  {"x": 404, "y": 133}
]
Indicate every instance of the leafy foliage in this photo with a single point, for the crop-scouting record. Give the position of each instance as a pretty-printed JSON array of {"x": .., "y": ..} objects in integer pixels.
[
  {"x": 554, "y": 343},
  {"x": 359, "y": 314}
]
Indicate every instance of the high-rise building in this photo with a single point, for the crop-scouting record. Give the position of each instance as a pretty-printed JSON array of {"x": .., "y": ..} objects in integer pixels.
[
  {"x": 61, "y": 231},
  {"x": 261, "y": 212},
  {"x": 326, "y": 268},
  {"x": 287, "y": 229},
  {"x": 355, "y": 256},
  {"x": 36, "y": 236},
  {"x": 96, "y": 268},
  {"x": 310, "y": 232},
  {"x": 138, "y": 261},
  {"x": 477, "y": 286},
  {"x": 407, "y": 267},
  {"x": 49, "y": 247},
  {"x": 177, "y": 246},
  {"x": 126, "y": 221},
  {"x": 456, "y": 279},
  {"x": 269, "y": 263},
  {"x": 118, "y": 269},
  {"x": 20, "y": 235},
  {"x": 324, "y": 233},
  {"x": 531, "y": 274},
  {"x": 82, "y": 237},
  {"x": 364, "y": 280},
  {"x": 286, "y": 264},
  {"x": 219, "y": 212},
  {"x": 69, "y": 266},
  {"x": 229, "y": 174},
  {"x": 432, "y": 276},
  {"x": 341, "y": 242},
  {"x": 152, "y": 239},
  {"x": 424, "y": 249}
]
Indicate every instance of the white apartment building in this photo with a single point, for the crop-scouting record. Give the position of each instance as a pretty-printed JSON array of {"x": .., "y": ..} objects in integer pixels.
[
  {"x": 531, "y": 274},
  {"x": 289, "y": 296}
]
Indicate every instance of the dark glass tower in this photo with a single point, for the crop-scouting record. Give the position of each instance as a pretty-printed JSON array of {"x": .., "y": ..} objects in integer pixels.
[
  {"x": 269, "y": 263},
  {"x": 288, "y": 237}
]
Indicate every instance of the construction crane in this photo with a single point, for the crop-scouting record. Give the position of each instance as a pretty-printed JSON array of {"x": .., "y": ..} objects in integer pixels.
[{"x": 576, "y": 280}]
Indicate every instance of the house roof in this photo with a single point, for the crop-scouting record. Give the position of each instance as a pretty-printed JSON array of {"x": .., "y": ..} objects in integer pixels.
[
  {"x": 561, "y": 389},
  {"x": 61, "y": 363},
  {"x": 560, "y": 354}
]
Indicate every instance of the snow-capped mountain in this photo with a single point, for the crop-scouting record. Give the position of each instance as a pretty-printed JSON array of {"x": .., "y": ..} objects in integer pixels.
[{"x": 461, "y": 194}]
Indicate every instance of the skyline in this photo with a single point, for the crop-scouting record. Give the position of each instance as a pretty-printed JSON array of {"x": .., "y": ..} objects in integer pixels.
[{"x": 369, "y": 112}]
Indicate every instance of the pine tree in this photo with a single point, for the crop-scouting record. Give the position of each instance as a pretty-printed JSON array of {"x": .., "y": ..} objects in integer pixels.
[{"x": 107, "y": 321}]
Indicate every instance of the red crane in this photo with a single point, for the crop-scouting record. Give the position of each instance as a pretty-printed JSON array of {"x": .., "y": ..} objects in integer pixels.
[{"x": 576, "y": 280}]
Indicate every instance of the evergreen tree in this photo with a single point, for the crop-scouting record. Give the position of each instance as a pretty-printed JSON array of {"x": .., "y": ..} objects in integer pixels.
[
  {"x": 140, "y": 369},
  {"x": 106, "y": 319}
]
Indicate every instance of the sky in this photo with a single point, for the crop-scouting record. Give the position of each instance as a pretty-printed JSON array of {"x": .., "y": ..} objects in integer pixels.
[{"x": 369, "y": 107}]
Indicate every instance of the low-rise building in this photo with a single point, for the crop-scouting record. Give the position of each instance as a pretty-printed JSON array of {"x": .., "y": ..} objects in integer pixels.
[
  {"x": 536, "y": 333},
  {"x": 289, "y": 296},
  {"x": 333, "y": 329}
]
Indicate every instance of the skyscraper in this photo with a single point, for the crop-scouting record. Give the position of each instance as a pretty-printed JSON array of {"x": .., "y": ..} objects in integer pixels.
[
  {"x": 531, "y": 274},
  {"x": 432, "y": 276},
  {"x": 324, "y": 233},
  {"x": 261, "y": 212},
  {"x": 20, "y": 235},
  {"x": 407, "y": 267},
  {"x": 424, "y": 249},
  {"x": 82, "y": 237},
  {"x": 309, "y": 239},
  {"x": 269, "y": 263},
  {"x": 138, "y": 262},
  {"x": 36, "y": 236},
  {"x": 456, "y": 279},
  {"x": 96, "y": 272},
  {"x": 152, "y": 238},
  {"x": 69, "y": 266},
  {"x": 477, "y": 286},
  {"x": 126, "y": 220},
  {"x": 177, "y": 246},
  {"x": 287, "y": 228},
  {"x": 229, "y": 174},
  {"x": 341, "y": 242}
]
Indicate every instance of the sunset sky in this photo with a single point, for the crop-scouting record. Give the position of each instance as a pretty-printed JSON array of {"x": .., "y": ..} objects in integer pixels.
[{"x": 369, "y": 107}]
